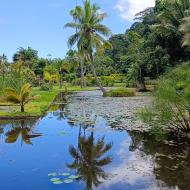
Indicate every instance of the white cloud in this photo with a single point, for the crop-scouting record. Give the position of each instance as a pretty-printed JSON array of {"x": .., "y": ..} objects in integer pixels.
[{"x": 128, "y": 8}]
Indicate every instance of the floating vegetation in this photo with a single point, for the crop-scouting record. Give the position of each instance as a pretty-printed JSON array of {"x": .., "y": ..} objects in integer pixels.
[
  {"x": 69, "y": 178},
  {"x": 52, "y": 174},
  {"x": 87, "y": 108},
  {"x": 55, "y": 179},
  {"x": 68, "y": 181},
  {"x": 74, "y": 176},
  {"x": 65, "y": 174},
  {"x": 57, "y": 182}
]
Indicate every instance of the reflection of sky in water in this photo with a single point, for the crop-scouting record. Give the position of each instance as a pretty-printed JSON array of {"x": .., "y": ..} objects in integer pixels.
[{"x": 26, "y": 167}]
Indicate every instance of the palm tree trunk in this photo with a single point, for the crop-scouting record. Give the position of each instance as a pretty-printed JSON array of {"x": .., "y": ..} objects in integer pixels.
[
  {"x": 95, "y": 76},
  {"x": 61, "y": 81},
  {"x": 22, "y": 108},
  {"x": 83, "y": 83}
]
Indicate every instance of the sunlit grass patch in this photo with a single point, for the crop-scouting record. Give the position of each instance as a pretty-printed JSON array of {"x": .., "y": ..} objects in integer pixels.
[{"x": 120, "y": 92}]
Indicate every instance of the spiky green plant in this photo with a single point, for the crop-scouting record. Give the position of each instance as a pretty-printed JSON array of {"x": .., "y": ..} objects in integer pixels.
[
  {"x": 171, "y": 105},
  {"x": 21, "y": 97}
]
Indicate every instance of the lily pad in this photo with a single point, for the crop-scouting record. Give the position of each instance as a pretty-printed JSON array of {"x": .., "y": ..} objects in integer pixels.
[
  {"x": 57, "y": 182},
  {"x": 55, "y": 179},
  {"x": 52, "y": 174},
  {"x": 68, "y": 181},
  {"x": 74, "y": 176},
  {"x": 65, "y": 174}
]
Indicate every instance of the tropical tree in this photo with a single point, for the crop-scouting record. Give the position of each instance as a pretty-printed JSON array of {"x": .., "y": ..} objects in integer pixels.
[
  {"x": 135, "y": 56},
  {"x": 75, "y": 13},
  {"x": 89, "y": 34},
  {"x": 3, "y": 65},
  {"x": 89, "y": 160},
  {"x": 21, "y": 97},
  {"x": 28, "y": 56}
]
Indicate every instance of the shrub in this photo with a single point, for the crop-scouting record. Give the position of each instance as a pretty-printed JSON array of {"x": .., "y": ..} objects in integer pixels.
[
  {"x": 107, "y": 81},
  {"x": 122, "y": 92},
  {"x": 76, "y": 82},
  {"x": 170, "y": 108},
  {"x": 44, "y": 87}
]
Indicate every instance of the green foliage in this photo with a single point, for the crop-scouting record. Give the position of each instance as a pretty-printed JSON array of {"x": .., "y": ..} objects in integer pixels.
[
  {"x": 90, "y": 33},
  {"x": 121, "y": 92},
  {"x": 44, "y": 87},
  {"x": 171, "y": 101},
  {"x": 158, "y": 133},
  {"x": 185, "y": 28},
  {"x": 21, "y": 97}
]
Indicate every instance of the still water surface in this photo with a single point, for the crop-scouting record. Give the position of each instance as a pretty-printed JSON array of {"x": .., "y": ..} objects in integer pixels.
[{"x": 36, "y": 154}]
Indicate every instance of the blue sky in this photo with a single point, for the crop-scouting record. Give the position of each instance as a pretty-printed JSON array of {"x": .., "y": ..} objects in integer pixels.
[{"x": 39, "y": 23}]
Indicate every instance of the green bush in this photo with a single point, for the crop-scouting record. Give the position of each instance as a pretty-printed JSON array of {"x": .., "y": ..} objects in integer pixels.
[
  {"x": 107, "y": 81},
  {"x": 44, "y": 87},
  {"x": 122, "y": 92},
  {"x": 76, "y": 82}
]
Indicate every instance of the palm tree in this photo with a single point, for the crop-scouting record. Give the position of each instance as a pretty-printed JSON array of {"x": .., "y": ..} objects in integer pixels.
[
  {"x": 90, "y": 33},
  {"x": 75, "y": 13},
  {"x": 3, "y": 65},
  {"x": 88, "y": 161},
  {"x": 185, "y": 28},
  {"x": 22, "y": 97}
]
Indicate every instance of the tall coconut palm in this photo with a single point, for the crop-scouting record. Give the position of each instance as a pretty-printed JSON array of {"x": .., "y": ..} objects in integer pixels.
[
  {"x": 22, "y": 97},
  {"x": 90, "y": 32},
  {"x": 75, "y": 13},
  {"x": 185, "y": 28},
  {"x": 89, "y": 160}
]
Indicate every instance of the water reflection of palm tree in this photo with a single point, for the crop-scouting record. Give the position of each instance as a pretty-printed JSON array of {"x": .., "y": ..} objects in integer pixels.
[
  {"x": 89, "y": 160},
  {"x": 25, "y": 131}
]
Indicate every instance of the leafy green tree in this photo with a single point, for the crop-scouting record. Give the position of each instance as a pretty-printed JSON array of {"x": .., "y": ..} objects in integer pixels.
[
  {"x": 118, "y": 52},
  {"x": 89, "y": 34},
  {"x": 26, "y": 56},
  {"x": 135, "y": 56},
  {"x": 3, "y": 66}
]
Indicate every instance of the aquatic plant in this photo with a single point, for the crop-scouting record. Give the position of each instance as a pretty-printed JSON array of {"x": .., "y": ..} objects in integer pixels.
[
  {"x": 59, "y": 179},
  {"x": 171, "y": 106}
]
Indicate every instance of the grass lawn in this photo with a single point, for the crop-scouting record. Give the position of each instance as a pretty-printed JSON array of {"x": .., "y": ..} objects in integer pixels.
[{"x": 37, "y": 107}]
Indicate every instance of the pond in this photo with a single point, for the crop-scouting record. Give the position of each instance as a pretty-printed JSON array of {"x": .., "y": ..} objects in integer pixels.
[{"x": 64, "y": 151}]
